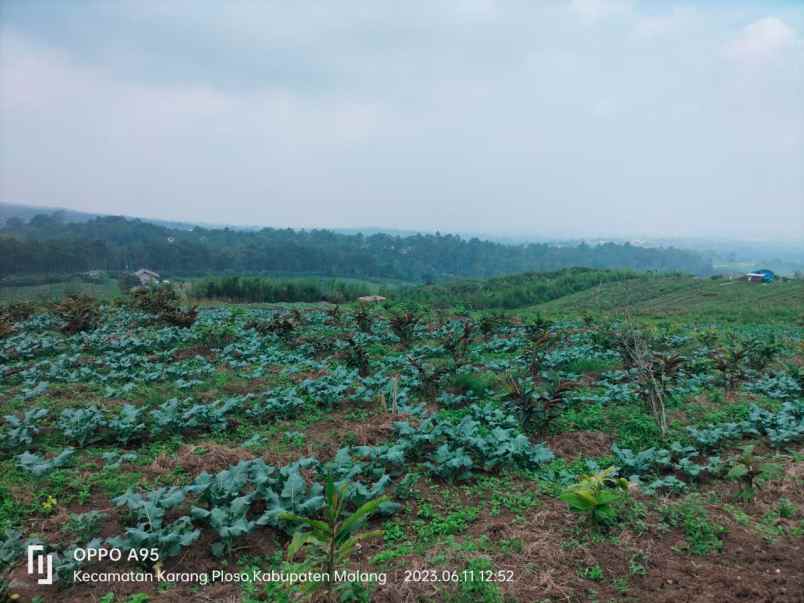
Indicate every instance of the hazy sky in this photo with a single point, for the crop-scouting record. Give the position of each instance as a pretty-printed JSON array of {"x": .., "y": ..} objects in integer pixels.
[{"x": 553, "y": 117}]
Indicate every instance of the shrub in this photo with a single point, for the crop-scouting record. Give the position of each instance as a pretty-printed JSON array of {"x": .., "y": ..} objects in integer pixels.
[
  {"x": 164, "y": 302},
  {"x": 79, "y": 313}
]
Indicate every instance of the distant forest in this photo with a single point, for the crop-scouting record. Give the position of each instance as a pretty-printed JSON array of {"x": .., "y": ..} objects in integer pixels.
[{"x": 49, "y": 244}]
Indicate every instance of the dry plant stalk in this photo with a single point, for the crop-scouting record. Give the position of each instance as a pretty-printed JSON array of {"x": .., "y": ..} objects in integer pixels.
[{"x": 635, "y": 345}]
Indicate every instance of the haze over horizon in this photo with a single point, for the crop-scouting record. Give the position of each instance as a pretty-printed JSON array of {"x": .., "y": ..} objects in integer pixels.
[{"x": 582, "y": 118}]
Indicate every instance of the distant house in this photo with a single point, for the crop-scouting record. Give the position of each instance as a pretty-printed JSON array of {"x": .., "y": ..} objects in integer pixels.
[
  {"x": 760, "y": 276},
  {"x": 147, "y": 277},
  {"x": 370, "y": 299}
]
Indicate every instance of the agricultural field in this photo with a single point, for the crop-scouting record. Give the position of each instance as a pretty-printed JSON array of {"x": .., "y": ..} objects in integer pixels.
[
  {"x": 52, "y": 292},
  {"x": 686, "y": 297},
  {"x": 570, "y": 451}
]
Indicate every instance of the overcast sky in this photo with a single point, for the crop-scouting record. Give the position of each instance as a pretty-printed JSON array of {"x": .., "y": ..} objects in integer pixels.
[{"x": 553, "y": 117}]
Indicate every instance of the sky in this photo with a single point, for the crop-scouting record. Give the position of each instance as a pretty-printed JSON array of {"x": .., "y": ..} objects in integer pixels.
[{"x": 557, "y": 118}]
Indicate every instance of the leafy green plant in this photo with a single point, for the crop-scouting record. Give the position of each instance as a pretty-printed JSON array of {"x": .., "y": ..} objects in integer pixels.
[
  {"x": 592, "y": 572},
  {"x": 473, "y": 587},
  {"x": 85, "y": 525},
  {"x": 39, "y": 466},
  {"x": 597, "y": 497},
  {"x": 11, "y": 547},
  {"x": 230, "y": 521},
  {"x": 128, "y": 425},
  {"x": 749, "y": 471},
  {"x": 19, "y": 432},
  {"x": 703, "y": 536},
  {"x": 403, "y": 325},
  {"x": 536, "y": 407},
  {"x": 329, "y": 544},
  {"x": 82, "y": 425},
  {"x": 730, "y": 363},
  {"x": 151, "y": 529}
]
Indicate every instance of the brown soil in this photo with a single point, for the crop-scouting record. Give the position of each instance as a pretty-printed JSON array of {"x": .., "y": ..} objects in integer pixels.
[
  {"x": 198, "y": 457},
  {"x": 573, "y": 444},
  {"x": 325, "y": 437},
  {"x": 192, "y": 352}
]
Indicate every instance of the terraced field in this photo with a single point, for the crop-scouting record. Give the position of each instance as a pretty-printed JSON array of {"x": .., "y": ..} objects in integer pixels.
[{"x": 485, "y": 457}]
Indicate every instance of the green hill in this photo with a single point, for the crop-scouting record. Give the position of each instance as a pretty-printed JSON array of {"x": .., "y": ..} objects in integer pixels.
[{"x": 782, "y": 301}]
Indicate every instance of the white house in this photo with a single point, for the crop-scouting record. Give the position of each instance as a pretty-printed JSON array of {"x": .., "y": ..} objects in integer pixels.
[{"x": 146, "y": 276}]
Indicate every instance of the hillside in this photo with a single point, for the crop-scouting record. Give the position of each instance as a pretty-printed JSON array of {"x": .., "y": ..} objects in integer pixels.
[
  {"x": 782, "y": 301},
  {"x": 47, "y": 244},
  {"x": 513, "y": 291}
]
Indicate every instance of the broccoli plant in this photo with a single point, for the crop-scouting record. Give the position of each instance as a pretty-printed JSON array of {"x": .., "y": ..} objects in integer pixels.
[
  {"x": 82, "y": 425},
  {"x": 167, "y": 418},
  {"x": 128, "y": 425},
  {"x": 230, "y": 521},
  {"x": 284, "y": 404},
  {"x": 450, "y": 464},
  {"x": 151, "y": 529},
  {"x": 20, "y": 431},
  {"x": 289, "y": 493},
  {"x": 85, "y": 525},
  {"x": 39, "y": 466}
]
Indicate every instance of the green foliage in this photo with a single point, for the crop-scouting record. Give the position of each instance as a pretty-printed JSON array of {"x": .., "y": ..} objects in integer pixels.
[
  {"x": 152, "y": 530},
  {"x": 329, "y": 544},
  {"x": 85, "y": 525},
  {"x": 46, "y": 245},
  {"x": 474, "y": 587},
  {"x": 164, "y": 302},
  {"x": 510, "y": 292},
  {"x": 597, "y": 497},
  {"x": 128, "y": 425},
  {"x": 11, "y": 547},
  {"x": 430, "y": 525},
  {"x": 82, "y": 426},
  {"x": 19, "y": 432},
  {"x": 263, "y": 289},
  {"x": 38, "y": 466},
  {"x": 230, "y": 521},
  {"x": 403, "y": 324},
  {"x": 703, "y": 536}
]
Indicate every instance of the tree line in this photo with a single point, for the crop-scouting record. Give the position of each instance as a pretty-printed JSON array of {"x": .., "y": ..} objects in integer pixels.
[
  {"x": 47, "y": 244},
  {"x": 259, "y": 289}
]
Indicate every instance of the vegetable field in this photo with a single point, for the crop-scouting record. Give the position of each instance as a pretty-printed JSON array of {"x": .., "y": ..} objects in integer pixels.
[{"x": 419, "y": 454}]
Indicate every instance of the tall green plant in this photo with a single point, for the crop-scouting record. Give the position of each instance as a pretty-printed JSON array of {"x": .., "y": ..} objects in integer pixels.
[{"x": 329, "y": 544}]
